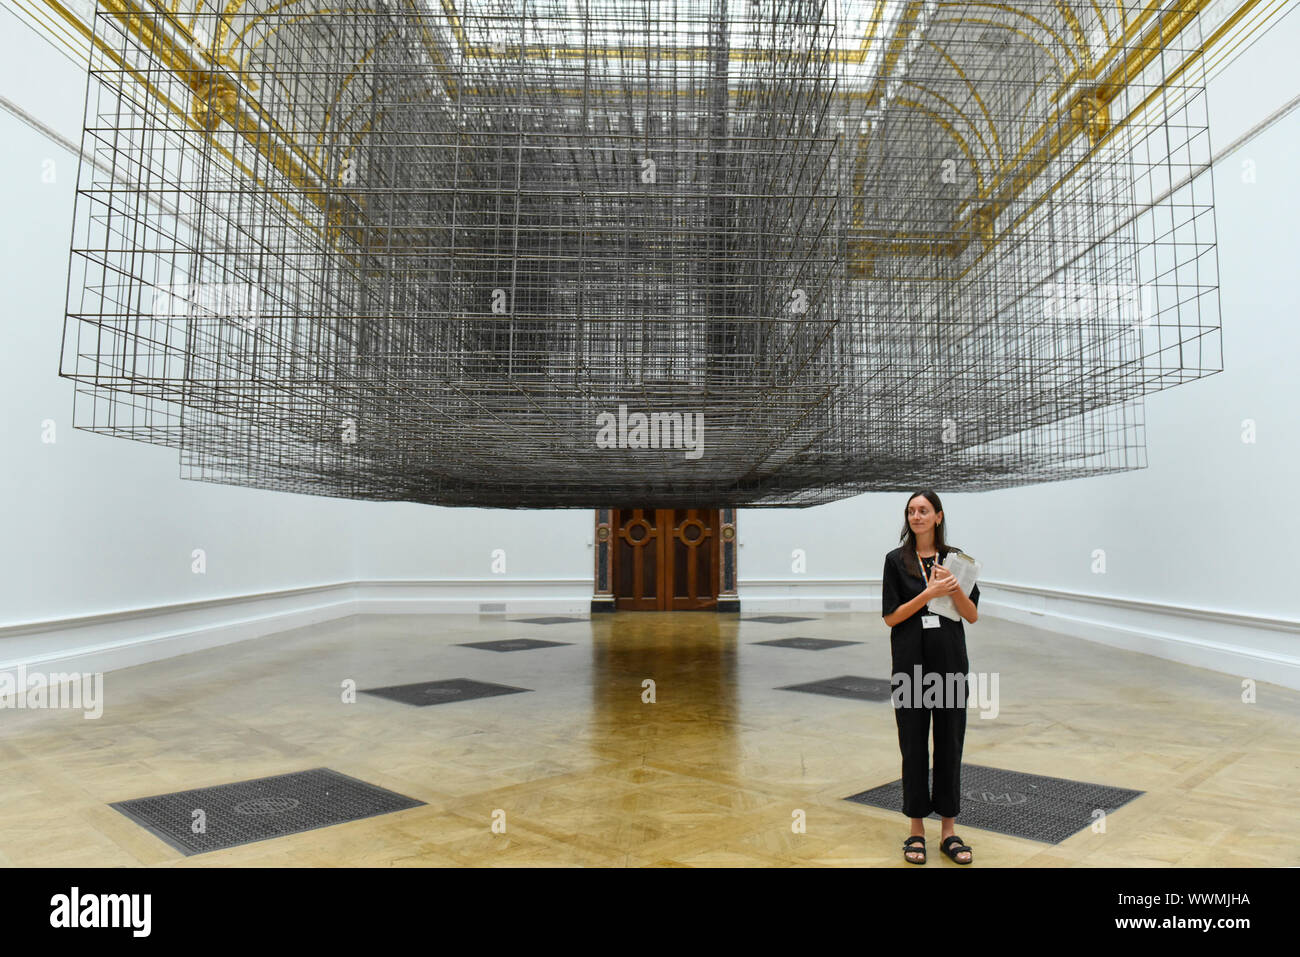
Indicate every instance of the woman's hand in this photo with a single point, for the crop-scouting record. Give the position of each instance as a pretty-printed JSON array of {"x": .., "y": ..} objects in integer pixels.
[{"x": 944, "y": 582}]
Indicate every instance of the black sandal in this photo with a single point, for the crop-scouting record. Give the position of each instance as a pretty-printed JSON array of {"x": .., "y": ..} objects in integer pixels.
[
  {"x": 952, "y": 852},
  {"x": 910, "y": 846}
]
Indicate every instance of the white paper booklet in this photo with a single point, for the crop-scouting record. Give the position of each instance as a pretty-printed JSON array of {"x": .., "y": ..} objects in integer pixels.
[{"x": 966, "y": 570}]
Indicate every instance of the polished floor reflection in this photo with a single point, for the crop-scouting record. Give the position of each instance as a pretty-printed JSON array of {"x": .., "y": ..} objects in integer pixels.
[{"x": 649, "y": 739}]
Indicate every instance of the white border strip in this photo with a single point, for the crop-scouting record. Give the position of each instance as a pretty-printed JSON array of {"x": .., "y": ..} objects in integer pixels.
[{"x": 1248, "y": 646}]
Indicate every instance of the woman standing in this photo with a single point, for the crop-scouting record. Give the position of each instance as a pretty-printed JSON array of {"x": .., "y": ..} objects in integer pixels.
[{"x": 913, "y": 575}]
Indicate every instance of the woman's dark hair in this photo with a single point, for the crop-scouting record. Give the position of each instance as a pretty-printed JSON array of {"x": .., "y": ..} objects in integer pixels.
[{"x": 908, "y": 537}]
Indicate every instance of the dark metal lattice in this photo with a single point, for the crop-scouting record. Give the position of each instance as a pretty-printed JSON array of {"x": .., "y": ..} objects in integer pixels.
[{"x": 414, "y": 250}]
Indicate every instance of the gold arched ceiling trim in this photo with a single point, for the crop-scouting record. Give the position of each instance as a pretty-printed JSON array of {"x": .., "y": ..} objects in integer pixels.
[
  {"x": 194, "y": 14},
  {"x": 1181, "y": 14},
  {"x": 248, "y": 51},
  {"x": 270, "y": 11},
  {"x": 955, "y": 110},
  {"x": 1079, "y": 52},
  {"x": 1066, "y": 77},
  {"x": 1123, "y": 62},
  {"x": 859, "y": 175},
  {"x": 361, "y": 101},
  {"x": 1076, "y": 53},
  {"x": 233, "y": 9},
  {"x": 1101, "y": 19},
  {"x": 1021, "y": 14},
  {"x": 1027, "y": 118},
  {"x": 307, "y": 16},
  {"x": 1083, "y": 46},
  {"x": 975, "y": 95},
  {"x": 877, "y": 17},
  {"x": 290, "y": 105}
]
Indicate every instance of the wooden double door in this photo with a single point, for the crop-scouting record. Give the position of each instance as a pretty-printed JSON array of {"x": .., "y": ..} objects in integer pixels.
[{"x": 666, "y": 559}]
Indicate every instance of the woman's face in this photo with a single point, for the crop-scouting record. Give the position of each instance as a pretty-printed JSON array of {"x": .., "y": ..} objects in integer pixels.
[{"x": 921, "y": 516}]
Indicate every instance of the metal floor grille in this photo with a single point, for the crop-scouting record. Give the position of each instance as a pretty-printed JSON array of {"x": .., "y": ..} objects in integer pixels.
[
  {"x": 513, "y": 644},
  {"x": 1017, "y": 803},
  {"x": 778, "y": 619},
  {"x": 447, "y": 691},
  {"x": 228, "y": 815},
  {"x": 806, "y": 644},
  {"x": 553, "y": 620},
  {"x": 846, "y": 686}
]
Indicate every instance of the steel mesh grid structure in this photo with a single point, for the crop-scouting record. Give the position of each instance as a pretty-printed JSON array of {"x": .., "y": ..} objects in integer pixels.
[{"x": 409, "y": 251}]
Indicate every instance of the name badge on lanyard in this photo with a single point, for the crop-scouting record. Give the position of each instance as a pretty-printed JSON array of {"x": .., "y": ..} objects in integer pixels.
[{"x": 927, "y": 621}]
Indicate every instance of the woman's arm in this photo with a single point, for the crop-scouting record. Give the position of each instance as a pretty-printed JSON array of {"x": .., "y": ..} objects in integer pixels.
[
  {"x": 909, "y": 608},
  {"x": 965, "y": 607}
]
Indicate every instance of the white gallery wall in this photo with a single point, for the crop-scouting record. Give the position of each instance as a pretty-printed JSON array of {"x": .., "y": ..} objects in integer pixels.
[
  {"x": 98, "y": 530},
  {"x": 92, "y": 525},
  {"x": 1195, "y": 545}
]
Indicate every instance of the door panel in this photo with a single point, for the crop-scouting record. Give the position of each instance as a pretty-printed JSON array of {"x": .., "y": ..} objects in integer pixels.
[
  {"x": 637, "y": 573},
  {"x": 666, "y": 559},
  {"x": 693, "y": 540}
]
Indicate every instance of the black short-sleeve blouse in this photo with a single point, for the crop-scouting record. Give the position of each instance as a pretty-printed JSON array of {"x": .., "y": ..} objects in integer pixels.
[{"x": 899, "y": 586}]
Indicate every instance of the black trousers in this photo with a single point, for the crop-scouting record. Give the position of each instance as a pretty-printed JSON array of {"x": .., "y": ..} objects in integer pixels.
[{"x": 940, "y": 652}]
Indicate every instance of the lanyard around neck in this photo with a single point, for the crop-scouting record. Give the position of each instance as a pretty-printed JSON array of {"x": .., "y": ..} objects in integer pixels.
[{"x": 924, "y": 577}]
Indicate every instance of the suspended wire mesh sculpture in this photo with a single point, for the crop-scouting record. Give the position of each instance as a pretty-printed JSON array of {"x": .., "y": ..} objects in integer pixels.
[{"x": 462, "y": 252}]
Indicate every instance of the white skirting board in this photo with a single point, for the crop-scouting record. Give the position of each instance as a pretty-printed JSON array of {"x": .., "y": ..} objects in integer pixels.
[
  {"x": 121, "y": 639},
  {"x": 1264, "y": 649},
  {"x": 1248, "y": 646}
]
